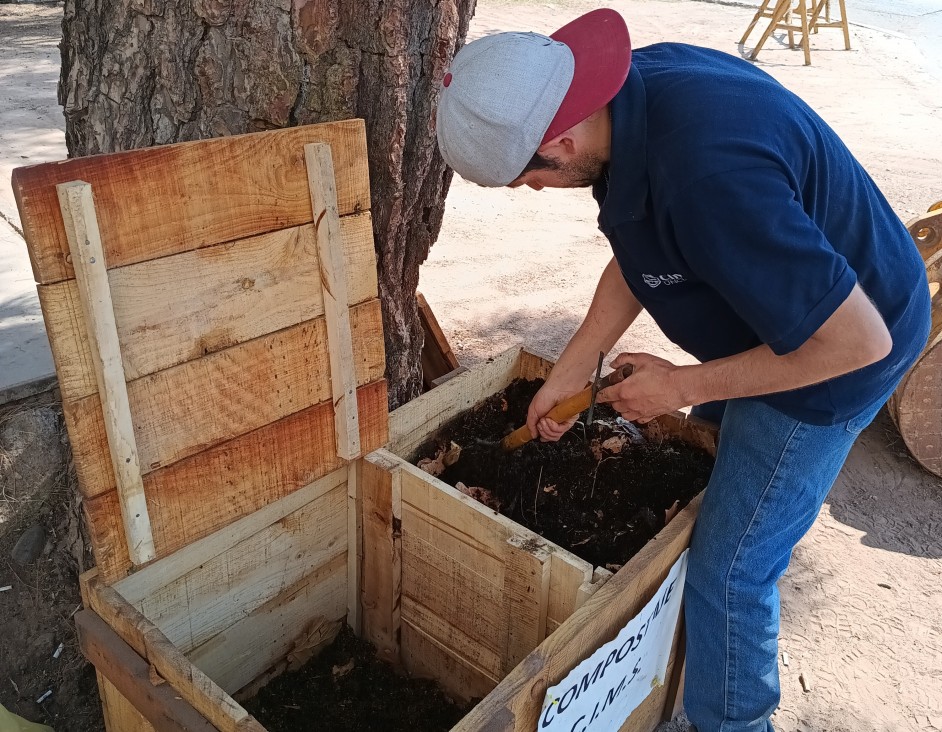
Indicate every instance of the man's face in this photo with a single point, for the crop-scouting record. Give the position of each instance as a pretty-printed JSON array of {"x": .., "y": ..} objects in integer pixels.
[{"x": 579, "y": 170}]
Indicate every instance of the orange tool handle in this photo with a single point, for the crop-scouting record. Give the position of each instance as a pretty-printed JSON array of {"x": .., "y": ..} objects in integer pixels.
[{"x": 568, "y": 408}]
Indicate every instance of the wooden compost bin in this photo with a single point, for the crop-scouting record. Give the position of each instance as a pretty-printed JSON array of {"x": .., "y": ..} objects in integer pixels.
[
  {"x": 212, "y": 310},
  {"x": 474, "y": 592}
]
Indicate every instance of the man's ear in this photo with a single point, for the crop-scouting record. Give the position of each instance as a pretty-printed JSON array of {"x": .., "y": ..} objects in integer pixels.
[{"x": 563, "y": 145}]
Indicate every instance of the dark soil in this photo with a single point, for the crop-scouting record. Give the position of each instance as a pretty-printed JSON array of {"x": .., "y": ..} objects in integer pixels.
[
  {"x": 36, "y": 614},
  {"x": 601, "y": 504},
  {"x": 346, "y": 688}
]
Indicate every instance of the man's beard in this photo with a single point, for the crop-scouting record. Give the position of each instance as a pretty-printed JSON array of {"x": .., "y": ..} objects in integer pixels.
[{"x": 580, "y": 173}]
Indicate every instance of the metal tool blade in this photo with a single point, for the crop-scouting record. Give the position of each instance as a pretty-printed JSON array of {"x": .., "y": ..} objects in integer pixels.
[{"x": 595, "y": 391}]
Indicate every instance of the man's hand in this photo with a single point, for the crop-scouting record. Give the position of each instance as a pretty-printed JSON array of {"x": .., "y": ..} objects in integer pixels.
[
  {"x": 543, "y": 427},
  {"x": 648, "y": 393}
]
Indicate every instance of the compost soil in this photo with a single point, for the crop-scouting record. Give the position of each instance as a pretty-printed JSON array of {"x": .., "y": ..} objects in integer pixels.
[
  {"x": 602, "y": 491},
  {"x": 346, "y": 688}
]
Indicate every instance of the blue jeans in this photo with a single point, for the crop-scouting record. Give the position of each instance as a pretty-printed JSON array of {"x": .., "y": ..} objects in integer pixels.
[{"x": 771, "y": 476}]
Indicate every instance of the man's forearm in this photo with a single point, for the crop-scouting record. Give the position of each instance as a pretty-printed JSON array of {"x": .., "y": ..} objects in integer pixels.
[
  {"x": 613, "y": 309},
  {"x": 853, "y": 337}
]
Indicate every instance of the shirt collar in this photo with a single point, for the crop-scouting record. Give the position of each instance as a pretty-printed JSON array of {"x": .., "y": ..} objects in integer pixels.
[{"x": 622, "y": 194}]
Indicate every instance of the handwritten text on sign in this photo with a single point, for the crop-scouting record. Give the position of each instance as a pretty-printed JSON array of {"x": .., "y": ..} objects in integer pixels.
[{"x": 600, "y": 693}]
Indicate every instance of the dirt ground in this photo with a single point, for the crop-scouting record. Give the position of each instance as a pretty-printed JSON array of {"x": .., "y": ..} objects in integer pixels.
[{"x": 861, "y": 605}]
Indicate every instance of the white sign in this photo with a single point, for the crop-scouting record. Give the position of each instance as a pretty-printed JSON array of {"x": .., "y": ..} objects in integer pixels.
[{"x": 600, "y": 693}]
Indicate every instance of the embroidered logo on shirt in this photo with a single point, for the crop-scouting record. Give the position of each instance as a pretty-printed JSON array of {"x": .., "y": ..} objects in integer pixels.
[{"x": 665, "y": 279}]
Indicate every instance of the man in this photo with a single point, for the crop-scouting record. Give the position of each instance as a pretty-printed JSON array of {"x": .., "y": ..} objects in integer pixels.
[{"x": 758, "y": 244}]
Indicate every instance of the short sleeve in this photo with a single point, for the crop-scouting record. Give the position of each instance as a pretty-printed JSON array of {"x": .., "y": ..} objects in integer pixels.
[{"x": 746, "y": 235}]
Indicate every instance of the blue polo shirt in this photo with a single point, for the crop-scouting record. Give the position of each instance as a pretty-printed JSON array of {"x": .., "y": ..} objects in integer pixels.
[{"x": 738, "y": 217}]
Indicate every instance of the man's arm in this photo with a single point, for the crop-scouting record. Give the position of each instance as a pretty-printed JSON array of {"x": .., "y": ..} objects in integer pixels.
[
  {"x": 853, "y": 337},
  {"x": 613, "y": 309}
]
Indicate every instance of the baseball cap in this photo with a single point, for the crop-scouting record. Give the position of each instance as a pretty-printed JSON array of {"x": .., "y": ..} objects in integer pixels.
[{"x": 508, "y": 93}]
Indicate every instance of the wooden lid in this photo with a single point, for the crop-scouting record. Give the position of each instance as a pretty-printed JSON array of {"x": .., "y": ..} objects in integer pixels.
[{"x": 215, "y": 287}]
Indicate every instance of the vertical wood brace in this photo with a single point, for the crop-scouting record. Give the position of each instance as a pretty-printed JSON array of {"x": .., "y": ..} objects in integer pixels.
[
  {"x": 526, "y": 591},
  {"x": 354, "y": 544},
  {"x": 396, "y": 570},
  {"x": 88, "y": 259},
  {"x": 320, "y": 172}
]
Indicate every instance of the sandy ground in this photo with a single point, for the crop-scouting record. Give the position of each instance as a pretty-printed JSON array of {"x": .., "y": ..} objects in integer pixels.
[
  {"x": 861, "y": 601},
  {"x": 861, "y": 604}
]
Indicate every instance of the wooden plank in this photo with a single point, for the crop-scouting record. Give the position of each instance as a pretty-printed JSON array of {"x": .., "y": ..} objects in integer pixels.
[
  {"x": 84, "y": 239},
  {"x": 130, "y": 675},
  {"x": 199, "y": 689},
  {"x": 516, "y": 702},
  {"x": 120, "y": 715},
  {"x": 188, "y": 408},
  {"x": 438, "y": 360},
  {"x": 320, "y": 171},
  {"x": 380, "y": 573},
  {"x": 424, "y": 657},
  {"x": 185, "y": 306},
  {"x": 191, "y": 407},
  {"x": 454, "y": 592},
  {"x": 258, "y": 641},
  {"x": 526, "y": 593},
  {"x": 354, "y": 546},
  {"x": 463, "y": 647},
  {"x": 568, "y": 574},
  {"x": 534, "y": 365},
  {"x": 209, "y": 599},
  {"x": 161, "y": 573},
  {"x": 476, "y": 523},
  {"x": 199, "y": 495},
  {"x": 413, "y": 422},
  {"x": 164, "y": 200}
]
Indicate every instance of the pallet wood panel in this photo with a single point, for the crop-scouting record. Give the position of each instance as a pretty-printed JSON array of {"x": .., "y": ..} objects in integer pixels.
[
  {"x": 191, "y": 407},
  {"x": 210, "y": 598},
  {"x": 516, "y": 702},
  {"x": 129, "y": 674},
  {"x": 438, "y": 360},
  {"x": 411, "y": 424},
  {"x": 252, "y": 645},
  {"x": 188, "y": 305},
  {"x": 164, "y": 200},
  {"x": 151, "y": 578},
  {"x": 425, "y": 657},
  {"x": 233, "y": 479}
]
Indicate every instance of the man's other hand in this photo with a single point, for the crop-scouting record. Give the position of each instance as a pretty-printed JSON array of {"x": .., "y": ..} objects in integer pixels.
[{"x": 648, "y": 393}]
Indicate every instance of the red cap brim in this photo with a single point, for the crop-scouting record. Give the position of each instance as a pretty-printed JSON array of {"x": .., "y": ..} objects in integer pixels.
[{"x": 601, "y": 47}]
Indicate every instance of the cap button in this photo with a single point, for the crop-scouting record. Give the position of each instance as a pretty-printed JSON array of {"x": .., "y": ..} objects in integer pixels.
[{"x": 447, "y": 80}]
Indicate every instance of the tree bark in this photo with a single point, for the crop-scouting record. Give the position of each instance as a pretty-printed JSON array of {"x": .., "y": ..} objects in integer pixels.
[{"x": 137, "y": 73}]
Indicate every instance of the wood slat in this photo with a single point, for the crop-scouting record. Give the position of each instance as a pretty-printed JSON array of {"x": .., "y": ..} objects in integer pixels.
[
  {"x": 257, "y": 642},
  {"x": 164, "y": 200},
  {"x": 410, "y": 424},
  {"x": 568, "y": 574},
  {"x": 160, "y": 705},
  {"x": 196, "y": 405},
  {"x": 381, "y": 567},
  {"x": 526, "y": 593},
  {"x": 516, "y": 702},
  {"x": 199, "y": 495},
  {"x": 120, "y": 715},
  {"x": 213, "y": 596},
  {"x": 185, "y": 306},
  {"x": 320, "y": 171},
  {"x": 153, "y": 577},
  {"x": 425, "y": 657},
  {"x": 453, "y": 591},
  {"x": 81, "y": 225}
]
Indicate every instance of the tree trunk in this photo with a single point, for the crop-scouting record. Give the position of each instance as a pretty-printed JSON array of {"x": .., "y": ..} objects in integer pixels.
[{"x": 150, "y": 72}]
